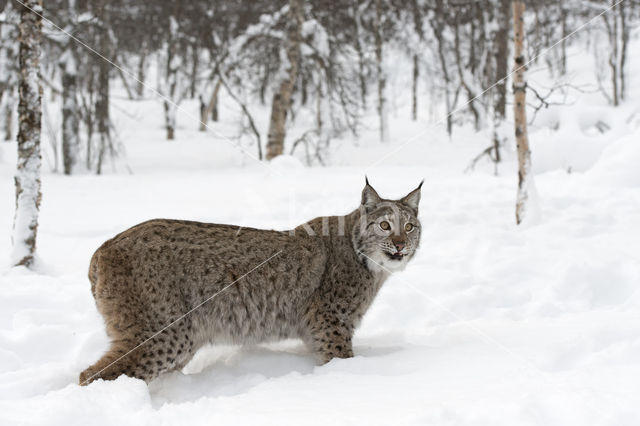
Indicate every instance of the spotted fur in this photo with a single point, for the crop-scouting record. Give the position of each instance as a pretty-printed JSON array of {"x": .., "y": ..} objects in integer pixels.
[{"x": 318, "y": 284}]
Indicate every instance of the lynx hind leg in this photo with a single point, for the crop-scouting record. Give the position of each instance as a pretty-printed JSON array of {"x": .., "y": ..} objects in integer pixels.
[
  {"x": 328, "y": 336},
  {"x": 146, "y": 341},
  {"x": 141, "y": 359}
]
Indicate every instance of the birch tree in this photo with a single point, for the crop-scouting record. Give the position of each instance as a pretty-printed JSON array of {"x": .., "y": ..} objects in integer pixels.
[
  {"x": 171, "y": 85},
  {"x": 417, "y": 25},
  {"x": 618, "y": 33},
  {"x": 525, "y": 177},
  {"x": 381, "y": 74},
  {"x": 499, "y": 92},
  {"x": 27, "y": 179},
  {"x": 437, "y": 21},
  {"x": 70, "y": 111},
  {"x": 282, "y": 97},
  {"x": 8, "y": 69},
  {"x": 102, "y": 97}
]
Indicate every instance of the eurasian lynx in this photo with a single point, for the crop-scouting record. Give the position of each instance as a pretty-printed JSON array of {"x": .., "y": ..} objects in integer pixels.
[{"x": 244, "y": 285}]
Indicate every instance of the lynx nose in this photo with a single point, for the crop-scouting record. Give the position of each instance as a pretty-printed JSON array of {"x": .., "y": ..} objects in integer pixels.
[{"x": 399, "y": 245}]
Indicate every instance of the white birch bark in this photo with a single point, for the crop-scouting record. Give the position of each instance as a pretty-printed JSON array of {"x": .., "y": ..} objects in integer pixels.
[
  {"x": 282, "y": 98},
  {"x": 8, "y": 70},
  {"x": 102, "y": 102},
  {"x": 382, "y": 77},
  {"x": 172, "y": 91},
  {"x": 526, "y": 187},
  {"x": 27, "y": 179}
]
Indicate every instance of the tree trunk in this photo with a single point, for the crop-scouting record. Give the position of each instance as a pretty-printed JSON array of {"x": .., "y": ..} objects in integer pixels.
[
  {"x": 27, "y": 179},
  {"x": 203, "y": 114},
  {"x": 618, "y": 35},
  {"x": 125, "y": 82},
  {"x": 438, "y": 28},
  {"x": 8, "y": 102},
  {"x": 8, "y": 72},
  {"x": 471, "y": 95},
  {"x": 89, "y": 116},
  {"x": 613, "y": 57},
  {"x": 142, "y": 66},
  {"x": 195, "y": 59},
  {"x": 563, "y": 45},
  {"x": 525, "y": 178},
  {"x": 210, "y": 108},
  {"x": 282, "y": 98},
  {"x": 501, "y": 60},
  {"x": 303, "y": 90},
  {"x": 417, "y": 24},
  {"x": 414, "y": 89},
  {"x": 102, "y": 110},
  {"x": 264, "y": 83},
  {"x": 70, "y": 112},
  {"x": 102, "y": 96},
  {"x": 171, "y": 79},
  {"x": 361, "y": 59},
  {"x": 382, "y": 77},
  {"x": 213, "y": 103},
  {"x": 624, "y": 42},
  {"x": 170, "y": 119}
]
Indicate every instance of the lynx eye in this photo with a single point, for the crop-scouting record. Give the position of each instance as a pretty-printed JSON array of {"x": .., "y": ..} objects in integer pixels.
[
  {"x": 385, "y": 225},
  {"x": 408, "y": 227}
]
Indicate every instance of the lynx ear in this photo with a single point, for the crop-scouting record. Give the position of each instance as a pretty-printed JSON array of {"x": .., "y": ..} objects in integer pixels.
[
  {"x": 412, "y": 199},
  {"x": 369, "y": 195}
]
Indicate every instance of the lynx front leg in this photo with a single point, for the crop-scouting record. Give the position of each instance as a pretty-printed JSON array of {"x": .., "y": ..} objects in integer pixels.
[{"x": 328, "y": 336}]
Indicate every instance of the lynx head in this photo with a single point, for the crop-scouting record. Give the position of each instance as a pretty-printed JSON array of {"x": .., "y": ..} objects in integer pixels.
[{"x": 388, "y": 233}]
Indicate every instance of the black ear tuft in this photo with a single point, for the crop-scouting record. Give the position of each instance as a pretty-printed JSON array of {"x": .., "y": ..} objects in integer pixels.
[
  {"x": 369, "y": 195},
  {"x": 412, "y": 199}
]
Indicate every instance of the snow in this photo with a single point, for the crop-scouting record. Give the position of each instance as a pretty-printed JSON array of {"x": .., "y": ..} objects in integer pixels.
[
  {"x": 68, "y": 62},
  {"x": 611, "y": 169},
  {"x": 319, "y": 39},
  {"x": 490, "y": 324}
]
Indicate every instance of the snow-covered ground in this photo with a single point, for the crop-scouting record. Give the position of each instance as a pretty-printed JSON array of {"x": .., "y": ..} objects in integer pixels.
[{"x": 491, "y": 324}]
